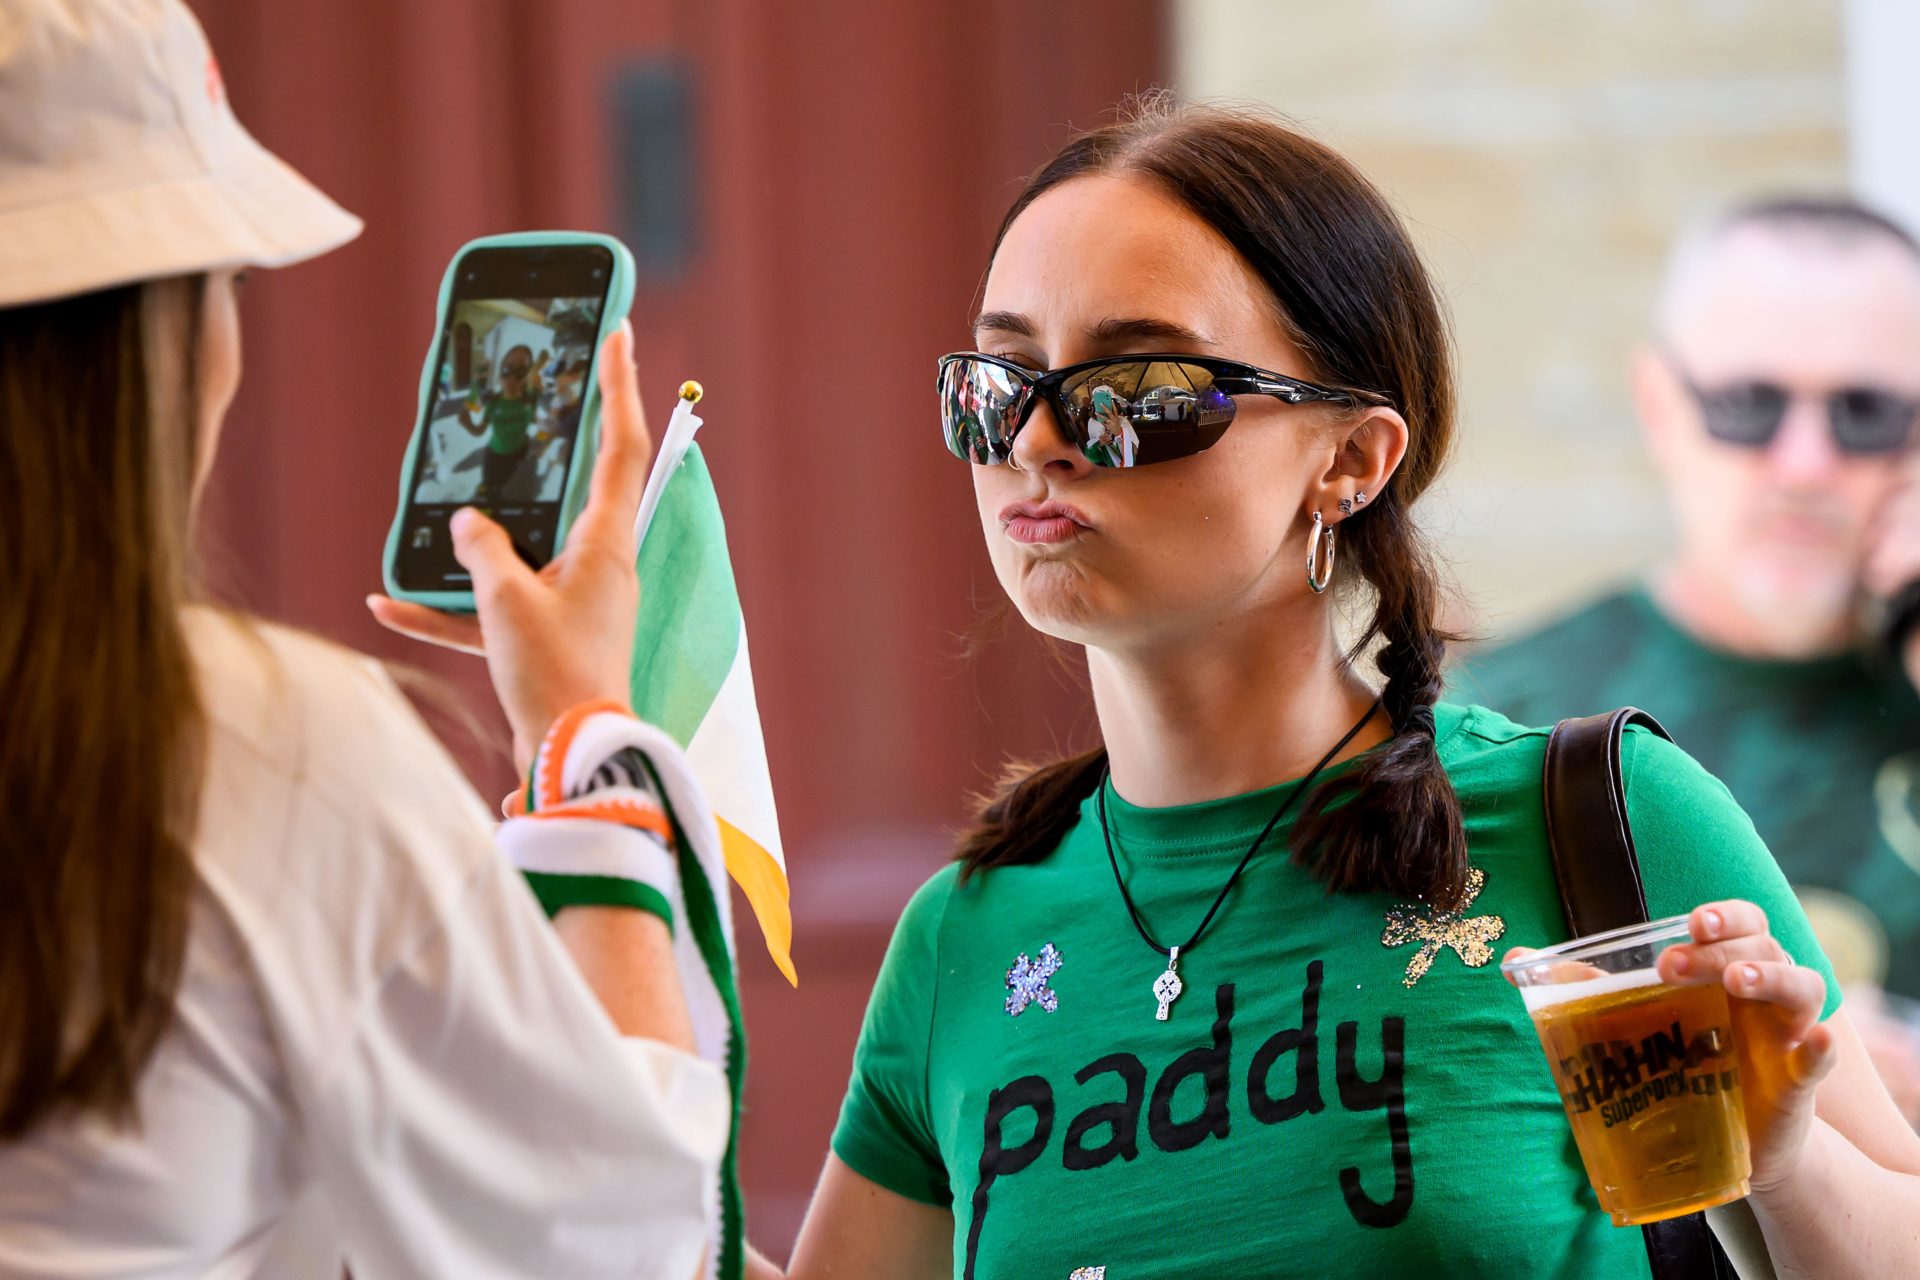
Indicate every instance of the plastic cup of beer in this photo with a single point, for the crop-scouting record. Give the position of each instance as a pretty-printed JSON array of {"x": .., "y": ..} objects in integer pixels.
[{"x": 1647, "y": 1071}]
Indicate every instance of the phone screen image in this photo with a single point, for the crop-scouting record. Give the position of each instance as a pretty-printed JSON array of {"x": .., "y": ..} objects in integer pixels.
[{"x": 508, "y": 386}]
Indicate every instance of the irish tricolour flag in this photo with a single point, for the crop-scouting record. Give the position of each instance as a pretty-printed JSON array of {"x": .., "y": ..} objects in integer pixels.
[
  {"x": 692, "y": 683},
  {"x": 691, "y": 676}
]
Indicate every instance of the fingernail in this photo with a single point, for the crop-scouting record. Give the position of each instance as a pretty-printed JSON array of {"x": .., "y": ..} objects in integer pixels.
[
  {"x": 462, "y": 520},
  {"x": 1682, "y": 962},
  {"x": 1712, "y": 919},
  {"x": 372, "y": 601},
  {"x": 1749, "y": 976}
]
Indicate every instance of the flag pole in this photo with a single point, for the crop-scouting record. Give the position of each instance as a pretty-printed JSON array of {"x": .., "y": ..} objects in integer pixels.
[{"x": 673, "y": 451}]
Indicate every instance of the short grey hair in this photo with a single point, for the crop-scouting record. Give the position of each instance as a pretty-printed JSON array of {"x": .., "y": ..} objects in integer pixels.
[{"x": 1838, "y": 222}]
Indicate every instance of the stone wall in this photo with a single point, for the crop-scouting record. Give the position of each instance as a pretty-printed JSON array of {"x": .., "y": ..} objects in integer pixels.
[{"x": 1544, "y": 152}]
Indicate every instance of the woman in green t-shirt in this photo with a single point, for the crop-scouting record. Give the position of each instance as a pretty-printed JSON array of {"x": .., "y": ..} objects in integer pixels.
[
  {"x": 507, "y": 421},
  {"x": 1218, "y": 999}
]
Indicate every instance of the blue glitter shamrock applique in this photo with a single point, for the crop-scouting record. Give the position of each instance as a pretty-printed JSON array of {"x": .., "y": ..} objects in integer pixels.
[{"x": 1028, "y": 978}]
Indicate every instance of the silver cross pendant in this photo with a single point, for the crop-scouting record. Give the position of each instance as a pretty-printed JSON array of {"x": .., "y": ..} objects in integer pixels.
[{"x": 1167, "y": 987}]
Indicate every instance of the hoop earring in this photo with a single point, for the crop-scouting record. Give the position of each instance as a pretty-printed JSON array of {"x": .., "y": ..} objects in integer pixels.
[
  {"x": 1014, "y": 462},
  {"x": 1320, "y": 536}
]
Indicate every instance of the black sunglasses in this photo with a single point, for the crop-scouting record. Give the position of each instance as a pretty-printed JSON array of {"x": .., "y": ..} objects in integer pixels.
[
  {"x": 1129, "y": 411},
  {"x": 1865, "y": 421}
]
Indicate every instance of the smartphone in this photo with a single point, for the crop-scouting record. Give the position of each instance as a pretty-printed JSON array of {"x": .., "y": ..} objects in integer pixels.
[{"x": 509, "y": 403}]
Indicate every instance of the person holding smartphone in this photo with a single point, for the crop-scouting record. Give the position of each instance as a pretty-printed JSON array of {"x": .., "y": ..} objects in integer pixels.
[
  {"x": 273, "y": 997},
  {"x": 1114, "y": 441}
]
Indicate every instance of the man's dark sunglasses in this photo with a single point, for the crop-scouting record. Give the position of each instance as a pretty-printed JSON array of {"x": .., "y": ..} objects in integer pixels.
[
  {"x": 1865, "y": 421},
  {"x": 1129, "y": 411},
  {"x": 516, "y": 370}
]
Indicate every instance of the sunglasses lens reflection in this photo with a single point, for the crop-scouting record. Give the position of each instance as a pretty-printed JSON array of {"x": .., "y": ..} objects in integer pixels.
[
  {"x": 980, "y": 407},
  {"x": 1132, "y": 413},
  {"x": 1122, "y": 413}
]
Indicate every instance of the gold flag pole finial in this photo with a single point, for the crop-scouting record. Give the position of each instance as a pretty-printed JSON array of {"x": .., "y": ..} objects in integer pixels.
[{"x": 691, "y": 391}]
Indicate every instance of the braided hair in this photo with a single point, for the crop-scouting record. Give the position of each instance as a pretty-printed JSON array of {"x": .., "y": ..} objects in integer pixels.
[{"x": 1355, "y": 298}]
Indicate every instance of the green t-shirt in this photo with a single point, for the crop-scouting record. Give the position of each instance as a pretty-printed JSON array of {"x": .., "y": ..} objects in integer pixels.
[
  {"x": 508, "y": 419},
  {"x": 1304, "y": 1111},
  {"x": 1825, "y": 756}
]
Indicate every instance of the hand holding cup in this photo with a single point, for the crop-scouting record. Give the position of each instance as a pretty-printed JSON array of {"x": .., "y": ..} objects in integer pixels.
[
  {"x": 1686, "y": 1052},
  {"x": 1785, "y": 1052}
]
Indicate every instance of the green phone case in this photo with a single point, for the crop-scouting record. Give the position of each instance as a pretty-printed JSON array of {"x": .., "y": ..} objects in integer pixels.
[{"x": 586, "y": 445}]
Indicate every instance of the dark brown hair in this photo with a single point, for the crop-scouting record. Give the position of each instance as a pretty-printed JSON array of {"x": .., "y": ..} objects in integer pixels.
[
  {"x": 1356, "y": 299},
  {"x": 101, "y": 760}
]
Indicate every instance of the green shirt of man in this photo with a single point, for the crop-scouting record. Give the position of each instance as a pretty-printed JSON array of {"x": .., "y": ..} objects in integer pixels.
[{"x": 1824, "y": 755}]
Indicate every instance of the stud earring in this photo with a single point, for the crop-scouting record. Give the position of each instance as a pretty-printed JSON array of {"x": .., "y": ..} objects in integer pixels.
[
  {"x": 1360, "y": 498},
  {"x": 1346, "y": 506}
]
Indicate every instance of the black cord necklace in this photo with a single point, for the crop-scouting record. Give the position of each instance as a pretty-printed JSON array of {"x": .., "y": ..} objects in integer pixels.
[{"x": 1167, "y": 987}]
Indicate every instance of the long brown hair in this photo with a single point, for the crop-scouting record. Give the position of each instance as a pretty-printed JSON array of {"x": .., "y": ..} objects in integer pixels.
[
  {"x": 102, "y": 754},
  {"x": 1357, "y": 301}
]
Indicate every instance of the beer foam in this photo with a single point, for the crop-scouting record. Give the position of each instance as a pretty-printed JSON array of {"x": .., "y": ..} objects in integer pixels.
[{"x": 1548, "y": 995}]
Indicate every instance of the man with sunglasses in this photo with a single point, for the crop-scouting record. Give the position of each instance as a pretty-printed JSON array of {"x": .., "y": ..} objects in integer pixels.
[{"x": 1778, "y": 640}]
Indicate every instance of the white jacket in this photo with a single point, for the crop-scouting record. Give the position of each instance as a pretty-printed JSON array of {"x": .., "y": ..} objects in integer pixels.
[{"x": 381, "y": 1056}]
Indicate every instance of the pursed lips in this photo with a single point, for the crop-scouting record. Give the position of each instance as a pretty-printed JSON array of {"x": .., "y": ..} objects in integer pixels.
[{"x": 1043, "y": 523}]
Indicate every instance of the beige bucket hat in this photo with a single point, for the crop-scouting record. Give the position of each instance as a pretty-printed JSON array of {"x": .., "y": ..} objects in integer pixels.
[{"x": 120, "y": 159}]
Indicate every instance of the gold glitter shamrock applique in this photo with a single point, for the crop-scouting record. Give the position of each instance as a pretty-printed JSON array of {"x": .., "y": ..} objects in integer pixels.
[
  {"x": 1089, "y": 1273},
  {"x": 1435, "y": 929}
]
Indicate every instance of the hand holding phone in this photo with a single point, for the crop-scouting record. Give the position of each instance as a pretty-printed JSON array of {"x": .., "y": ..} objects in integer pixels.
[
  {"x": 510, "y": 308},
  {"x": 563, "y": 634}
]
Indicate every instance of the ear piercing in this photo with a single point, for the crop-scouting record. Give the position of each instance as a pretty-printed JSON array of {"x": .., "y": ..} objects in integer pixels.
[
  {"x": 1360, "y": 498},
  {"x": 1319, "y": 554},
  {"x": 1357, "y": 500}
]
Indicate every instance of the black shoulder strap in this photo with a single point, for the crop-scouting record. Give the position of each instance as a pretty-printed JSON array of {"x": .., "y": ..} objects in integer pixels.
[
  {"x": 1594, "y": 861},
  {"x": 1587, "y": 828}
]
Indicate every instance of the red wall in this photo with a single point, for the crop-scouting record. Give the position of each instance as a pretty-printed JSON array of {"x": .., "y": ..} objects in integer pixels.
[{"x": 852, "y": 159}]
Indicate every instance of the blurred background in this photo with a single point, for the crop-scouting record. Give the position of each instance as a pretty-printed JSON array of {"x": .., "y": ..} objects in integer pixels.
[{"x": 811, "y": 190}]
